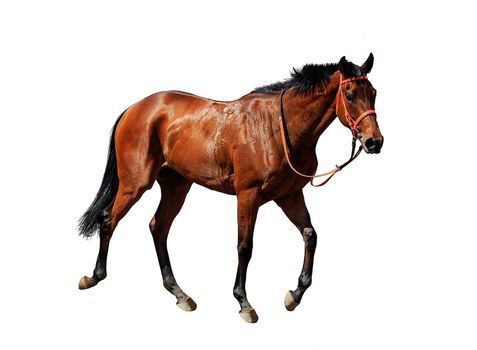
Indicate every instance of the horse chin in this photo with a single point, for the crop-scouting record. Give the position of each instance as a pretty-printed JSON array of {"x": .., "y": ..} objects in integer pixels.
[{"x": 372, "y": 151}]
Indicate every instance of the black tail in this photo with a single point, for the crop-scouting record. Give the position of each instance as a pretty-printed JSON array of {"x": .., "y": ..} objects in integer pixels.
[{"x": 92, "y": 219}]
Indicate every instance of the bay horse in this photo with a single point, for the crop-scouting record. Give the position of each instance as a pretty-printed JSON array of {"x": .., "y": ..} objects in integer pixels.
[{"x": 176, "y": 139}]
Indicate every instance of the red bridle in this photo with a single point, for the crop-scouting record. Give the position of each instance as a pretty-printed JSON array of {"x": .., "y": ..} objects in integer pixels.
[{"x": 353, "y": 124}]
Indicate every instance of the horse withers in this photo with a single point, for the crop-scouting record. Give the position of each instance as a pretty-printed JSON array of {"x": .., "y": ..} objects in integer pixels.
[{"x": 250, "y": 147}]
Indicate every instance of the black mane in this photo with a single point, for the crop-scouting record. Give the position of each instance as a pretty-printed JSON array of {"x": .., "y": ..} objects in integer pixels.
[{"x": 304, "y": 80}]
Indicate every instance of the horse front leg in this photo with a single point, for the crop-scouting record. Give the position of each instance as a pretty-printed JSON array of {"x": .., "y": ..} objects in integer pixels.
[
  {"x": 295, "y": 209},
  {"x": 247, "y": 208}
]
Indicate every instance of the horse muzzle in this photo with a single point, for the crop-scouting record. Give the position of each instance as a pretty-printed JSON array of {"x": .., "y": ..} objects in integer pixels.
[{"x": 372, "y": 144}]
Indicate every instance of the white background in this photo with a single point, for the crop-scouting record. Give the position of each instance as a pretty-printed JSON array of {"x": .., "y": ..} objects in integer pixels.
[{"x": 396, "y": 263}]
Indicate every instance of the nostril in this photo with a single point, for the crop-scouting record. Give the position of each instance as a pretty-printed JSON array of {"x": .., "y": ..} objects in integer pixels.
[{"x": 370, "y": 143}]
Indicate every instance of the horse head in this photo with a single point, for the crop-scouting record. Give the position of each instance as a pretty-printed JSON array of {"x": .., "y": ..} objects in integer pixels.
[{"x": 355, "y": 104}]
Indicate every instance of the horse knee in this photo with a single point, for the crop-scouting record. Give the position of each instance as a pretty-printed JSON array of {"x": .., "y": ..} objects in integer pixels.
[
  {"x": 244, "y": 249},
  {"x": 310, "y": 237}
]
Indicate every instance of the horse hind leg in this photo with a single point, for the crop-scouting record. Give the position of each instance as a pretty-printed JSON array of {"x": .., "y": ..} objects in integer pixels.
[
  {"x": 105, "y": 234},
  {"x": 131, "y": 187},
  {"x": 174, "y": 189},
  {"x": 124, "y": 201}
]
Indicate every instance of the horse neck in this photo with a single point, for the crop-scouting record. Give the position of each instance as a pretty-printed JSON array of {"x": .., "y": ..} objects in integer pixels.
[{"x": 308, "y": 116}]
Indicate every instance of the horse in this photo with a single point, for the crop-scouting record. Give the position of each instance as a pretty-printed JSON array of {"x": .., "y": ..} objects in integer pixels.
[{"x": 250, "y": 147}]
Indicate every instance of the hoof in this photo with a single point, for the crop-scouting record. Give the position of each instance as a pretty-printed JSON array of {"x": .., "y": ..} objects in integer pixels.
[
  {"x": 187, "y": 304},
  {"x": 83, "y": 283},
  {"x": 290, "y": 303},
  {"x": 249, "y": 316}
]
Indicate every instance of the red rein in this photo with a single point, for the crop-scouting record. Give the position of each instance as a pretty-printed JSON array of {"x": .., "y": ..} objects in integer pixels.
[{"x": 353, "y": 124}]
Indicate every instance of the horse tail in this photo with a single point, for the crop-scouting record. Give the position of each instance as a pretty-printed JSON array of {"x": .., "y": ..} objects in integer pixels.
[{"x": 93, "y": 218}]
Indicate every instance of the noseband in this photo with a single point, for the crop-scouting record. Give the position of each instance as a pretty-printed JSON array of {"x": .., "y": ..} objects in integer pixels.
[{"x": 353, "y": 125}]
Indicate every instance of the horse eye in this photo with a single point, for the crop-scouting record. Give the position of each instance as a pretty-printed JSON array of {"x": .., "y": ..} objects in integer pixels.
[{"x": 348, "y": 96}]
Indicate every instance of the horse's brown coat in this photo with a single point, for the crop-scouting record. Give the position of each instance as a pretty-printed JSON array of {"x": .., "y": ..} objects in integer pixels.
[{"x": 232, "y": 147}]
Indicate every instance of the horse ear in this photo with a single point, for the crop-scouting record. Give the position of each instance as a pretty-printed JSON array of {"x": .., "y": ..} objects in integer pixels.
[
  {"x": 344, "y": 67},
  {"x": 342, "y": 64},
  {"x": 368, "y": 65}
]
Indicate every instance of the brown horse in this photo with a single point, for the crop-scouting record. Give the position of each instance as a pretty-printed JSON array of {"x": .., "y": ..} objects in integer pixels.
[{"x": 177, "y": 138}]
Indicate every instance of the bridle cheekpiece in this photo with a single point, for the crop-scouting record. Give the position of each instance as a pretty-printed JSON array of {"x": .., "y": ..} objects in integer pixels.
[{"x": 353, "y": 124}]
